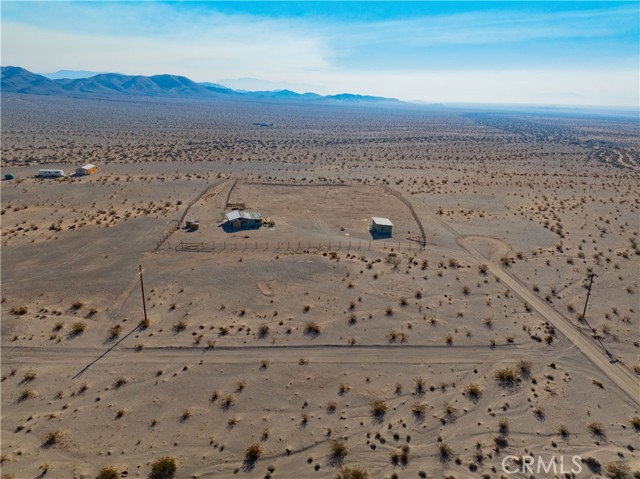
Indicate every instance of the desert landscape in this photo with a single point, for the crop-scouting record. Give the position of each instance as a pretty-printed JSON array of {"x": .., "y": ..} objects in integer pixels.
[{"x": 308, "y": 348}]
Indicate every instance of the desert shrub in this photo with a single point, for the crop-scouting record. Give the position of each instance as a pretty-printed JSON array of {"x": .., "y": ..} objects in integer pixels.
[
  {"x": 503, "y": 425},
  {"x": 78, "y": 328},
  {"x": 419, "y": 410},
  {"x": 115, "y": 331},
  {"x": 180, "y": 326},
  {"x": 109, "y": 472},
  {"x": 596, "y": 429},
  {"x": 77, "y": 305},
  {"x": 121, "y": 381},
  {"x": 421, "y": 385},
  {"x": 338, "y": 450},
  {"x": 253, "y": 452},
  {"x": 353, "y": 472},
  {"x": 473, "y": 391},
  {"x": 524, "y": 366},
  {"x": 635, "y": 422},
  {"x": 563, "y": 431},
  {"x": 19, "y": 310},
  {"x": 26, "y": 394},
  {"x": 144, "y": 324},
  {"x": 618, "y": 470},
  {"x": 446, "y": 452},
  {"x": 29, "y": 376},
  {"x": 400, "y": 456},
  {"x": 507, "y": 377},
  {"x": 163, "y": 468},
  {"x": 312, "y": 329},
  {"x": 593, "y": 464},
  {"x": 378, "y": 409},
  {"x": 53, "y": 438}
]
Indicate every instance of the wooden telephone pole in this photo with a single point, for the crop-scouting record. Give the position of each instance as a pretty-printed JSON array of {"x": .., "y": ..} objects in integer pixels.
[{"x": 144, "y": 303}]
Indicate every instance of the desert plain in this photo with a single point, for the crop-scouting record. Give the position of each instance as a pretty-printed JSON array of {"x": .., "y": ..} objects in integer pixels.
[{"x": 307, "y": 349}]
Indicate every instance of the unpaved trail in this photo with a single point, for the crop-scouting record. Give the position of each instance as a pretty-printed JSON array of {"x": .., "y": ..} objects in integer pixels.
[{"x": 618, "y": 372}]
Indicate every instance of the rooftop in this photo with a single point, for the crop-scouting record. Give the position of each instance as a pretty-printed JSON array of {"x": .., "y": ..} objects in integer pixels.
[{"x": 382, "y": 221}]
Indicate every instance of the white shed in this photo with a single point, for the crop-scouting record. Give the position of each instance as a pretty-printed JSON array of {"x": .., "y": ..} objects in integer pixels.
[{"x": 381, "y": 226}]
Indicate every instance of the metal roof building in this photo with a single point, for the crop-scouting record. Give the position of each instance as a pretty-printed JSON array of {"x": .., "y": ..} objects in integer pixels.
[{"x": 243, "y": 215}]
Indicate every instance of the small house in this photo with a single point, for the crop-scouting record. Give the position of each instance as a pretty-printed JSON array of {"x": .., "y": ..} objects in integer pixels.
[
  {"x": 86, "y": 170},
  {"x": 381, "y": 226},
  {"x": 243, "y": 219},
  {"x": 50, "y": 173}
]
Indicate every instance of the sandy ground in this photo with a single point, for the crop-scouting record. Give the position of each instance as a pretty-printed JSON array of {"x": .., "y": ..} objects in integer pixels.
[{"x": 287, "y": 337}]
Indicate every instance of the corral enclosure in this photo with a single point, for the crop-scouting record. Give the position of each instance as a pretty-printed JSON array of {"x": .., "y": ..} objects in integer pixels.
[{"x": 475, "y": 343}]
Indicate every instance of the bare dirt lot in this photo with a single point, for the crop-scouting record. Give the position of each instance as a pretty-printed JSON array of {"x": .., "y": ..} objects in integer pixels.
[{"x": 298, "y": 349}]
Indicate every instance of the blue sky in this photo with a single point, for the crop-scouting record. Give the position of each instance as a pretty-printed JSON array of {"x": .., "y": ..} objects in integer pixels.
[{"x": 574, "y": 53}]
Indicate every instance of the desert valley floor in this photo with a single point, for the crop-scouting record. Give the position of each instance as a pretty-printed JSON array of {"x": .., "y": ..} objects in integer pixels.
[{"x": 306, "y": 348}]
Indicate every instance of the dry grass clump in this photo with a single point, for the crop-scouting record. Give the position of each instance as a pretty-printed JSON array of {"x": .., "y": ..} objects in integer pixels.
[
  {"x": 312, "y": 329},
  {"x": 419, "y": 410},
  {"x": 524, "y": 367},
  {"x": 26, "y": 394},
  {"x": 507, "y": 377},
  {"x": 446, "y": 452},
  {"x": 396, "y": 336},
  {"x": 78, "y": 328},
  {"x": 635, "y": 422},
  {"x": 253, "y": 452},
  {"x": 19, "y": 310},
  {"x": 473, "y": 391},
  {"x": 144, "y": 324},
  {"x": 163, "y": 468},
  {"x": 109, "y": 472},
  {"x": 53, "y": 438},
  {"x": 353, "y": 472},
  {"x": 379, "y": 409},
  {"x": 618, "y": 470},
  {"x": 115, "y": 332},
  {"x": 180, "y": 326},
  {"x": 421, "y": 385},
  {"x": 596, "y": 429},
  {"x": 121, "y": 381},
  {"x": 338, "y": 451},
  {"x": 400, "y": 457}
]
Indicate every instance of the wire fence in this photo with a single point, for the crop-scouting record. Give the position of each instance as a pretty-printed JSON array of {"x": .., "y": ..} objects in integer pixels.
[
  {"x": 299, "y": 246},
  {"x": 178, "y": 224},
  {"x": 399, "y": 195}
]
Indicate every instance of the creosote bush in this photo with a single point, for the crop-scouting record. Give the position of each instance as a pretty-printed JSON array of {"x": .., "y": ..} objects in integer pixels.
[
  {"x": 253, "y": 452},
  {"x": 109, "y": 472},
  {"x": 353, "y": 472},
  {"x": 338, "y": 450},
  {"x": 163, "y": 468},
  {"x": 378, "y": 409}
]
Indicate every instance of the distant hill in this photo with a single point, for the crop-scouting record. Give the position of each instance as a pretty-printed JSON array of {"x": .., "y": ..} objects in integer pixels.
[
  {"x": 19, "y": 80},
  {"x": 71, "y": 74}
]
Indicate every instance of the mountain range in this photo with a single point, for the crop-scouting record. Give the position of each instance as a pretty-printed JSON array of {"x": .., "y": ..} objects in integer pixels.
[{"x": 19, "y": 80}]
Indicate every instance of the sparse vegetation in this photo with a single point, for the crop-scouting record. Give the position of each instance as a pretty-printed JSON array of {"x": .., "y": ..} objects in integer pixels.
[{"x": 163, "y": 468}]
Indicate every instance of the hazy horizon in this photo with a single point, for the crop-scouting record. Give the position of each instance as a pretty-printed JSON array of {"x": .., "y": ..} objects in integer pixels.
[{"x": 533, "y": 53}]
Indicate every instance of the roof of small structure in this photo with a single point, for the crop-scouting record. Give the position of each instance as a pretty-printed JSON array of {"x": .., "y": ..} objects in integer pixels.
[
  {"x": 381, "y": 221},
  {"x": 246, "y": 215},
  {"x": 88, "y": 166}
]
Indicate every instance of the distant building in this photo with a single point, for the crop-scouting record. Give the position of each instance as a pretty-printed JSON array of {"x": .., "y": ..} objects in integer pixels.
[
  {"x": 243, "y": 219},
  {"x": 86, "y": 170},
  {"x": 50, "y": 173},
  {"x": 381, "y": 226}
]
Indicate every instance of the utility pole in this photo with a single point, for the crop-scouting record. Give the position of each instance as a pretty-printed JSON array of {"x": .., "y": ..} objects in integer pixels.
[
  {"x": 144, "y": 304},
  {"x": 584, "y": 318}
]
